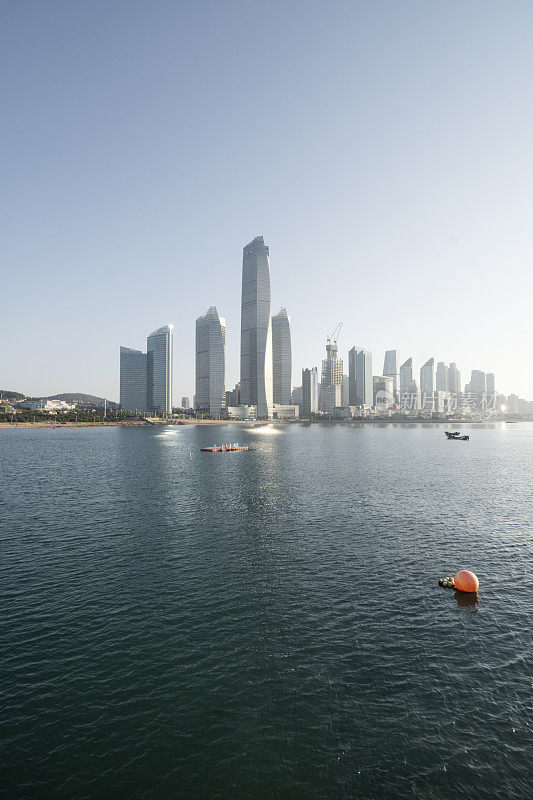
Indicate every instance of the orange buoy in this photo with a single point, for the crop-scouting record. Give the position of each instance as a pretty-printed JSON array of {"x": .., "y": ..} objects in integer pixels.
[{"x": 466, "y": 581}]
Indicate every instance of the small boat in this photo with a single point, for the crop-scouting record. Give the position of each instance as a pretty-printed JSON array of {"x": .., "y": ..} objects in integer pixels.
[
  {"x": 223, "y": 448},
  {"x": 456, "y": 437},
  {"x": 452, "y": 435}
]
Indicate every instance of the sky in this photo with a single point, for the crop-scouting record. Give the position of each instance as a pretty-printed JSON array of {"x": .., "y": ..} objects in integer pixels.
[{"x": 383, "y": 149}]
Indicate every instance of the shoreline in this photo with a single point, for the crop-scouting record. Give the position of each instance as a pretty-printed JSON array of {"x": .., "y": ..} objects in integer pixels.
[{"x": 244, "y": 422}]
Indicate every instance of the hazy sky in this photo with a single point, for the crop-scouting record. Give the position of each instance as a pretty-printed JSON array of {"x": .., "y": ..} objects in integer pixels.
[{"x": 383, "y": 149}]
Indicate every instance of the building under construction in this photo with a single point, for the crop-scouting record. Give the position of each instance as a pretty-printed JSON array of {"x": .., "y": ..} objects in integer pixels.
[{"x": 331, "y": 384}]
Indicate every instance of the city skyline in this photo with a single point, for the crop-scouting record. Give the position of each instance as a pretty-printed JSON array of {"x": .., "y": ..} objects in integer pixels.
[{"x": 408, "y": 193}]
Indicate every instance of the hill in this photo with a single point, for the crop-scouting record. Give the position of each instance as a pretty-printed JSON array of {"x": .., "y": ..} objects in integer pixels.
[{"x": 8, "y": 393}]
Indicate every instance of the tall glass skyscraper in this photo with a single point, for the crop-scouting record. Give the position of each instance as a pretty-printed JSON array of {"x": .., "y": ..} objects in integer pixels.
[
  {"x": 309, "y": 391},
  {"x": 210, "y": 362},
  {"x": 159, "y": 370},
  {"x": 256, "y": 329},
  {"x": 406, "y": 375},
  {"x": 364, "y": 383},
  {"x": 132, "y": 379},
  {"x": 441, "y": 377},
  {"x": 281, "y": 357},
  {"x": 391, "y": 369},
  {"x": 427, "y": 384},
  {"x": 454, "y": 378}
]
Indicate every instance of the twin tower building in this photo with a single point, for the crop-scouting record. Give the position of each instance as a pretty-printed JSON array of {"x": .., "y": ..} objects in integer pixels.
[{"x": 266, "y": 355}]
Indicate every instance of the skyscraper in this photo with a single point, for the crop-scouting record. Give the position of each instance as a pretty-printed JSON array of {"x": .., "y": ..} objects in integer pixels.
[
  {"x": 441, "y": 377},
  {"x": 159, "y": 370},
  {"x": 331, "y": 376},
  {"x": 427, "y": 384},
  {"x": 281, "y": 357},
  {"x": 406, "y": 375},
  {"x": 391, "y": 369},
  {"x": 309, "y": 391},
  {"x": 256, "y": 329},
  {"x": 454, "y": 379},
  {"x": 478, "y": 381},
  {"x": 210, "y": 362},
  {"x": 360, "y": 381},
  {"x": 133, "y": 379},
  {"x": 345, "y": 391},
  {"x": 351, "y": 377}
]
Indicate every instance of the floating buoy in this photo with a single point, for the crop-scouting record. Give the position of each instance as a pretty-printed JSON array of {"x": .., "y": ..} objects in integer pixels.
[{"x": 466, "y": 581}]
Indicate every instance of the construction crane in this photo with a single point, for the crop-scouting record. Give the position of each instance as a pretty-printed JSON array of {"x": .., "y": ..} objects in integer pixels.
[{"x": 335, "y": 335}]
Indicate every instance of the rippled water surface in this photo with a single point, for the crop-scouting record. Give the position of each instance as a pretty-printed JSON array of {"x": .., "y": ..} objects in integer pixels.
[{"x": 265, "y": 624}]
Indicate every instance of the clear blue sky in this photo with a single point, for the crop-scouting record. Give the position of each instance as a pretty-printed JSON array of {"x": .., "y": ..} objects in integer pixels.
[{"x": 383, "y": 149}]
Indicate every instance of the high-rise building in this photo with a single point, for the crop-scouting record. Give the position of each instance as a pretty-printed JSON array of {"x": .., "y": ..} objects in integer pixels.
[
  {"x": 256, "y": 329},
  {"x": 427, "y": 384},
  {"x": 345, "y": 391},
  {"x": 406, "y": 375},
  {"x": 361, "y": 386},
  {"x": 210, "y": 362},
  {"x": 281, "y": 357},
  {"x": 309, "y": 391},
  {"x": 478, "y": 382},
  {"x": 441, "y": 377},
  {"x": 351, "y": 377},
  {"x": 331, "y": 375},
  {"x": 491, "y": 383},
  {"x": 185, "y": 402},
  {"x": 159, "y": 370},
  {"x": 330, "y": 398},
  {"x": 297, "y": 396},
  {"x": 391, "y": 369},
  {"x": 454, "y": 379},
  {"x": 133, "y": 379},
  {"x": 383, "y": 387},
  {"x": 410, "y": 398}
]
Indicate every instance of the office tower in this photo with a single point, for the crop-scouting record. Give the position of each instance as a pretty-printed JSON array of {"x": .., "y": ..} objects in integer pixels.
[
  {"x": 383, "y": 389},
  {"x": 406, "y": 375},
  {"x": 236, "y": 395},
  {"x": 185, "y": 402},
  {"x": 256, "y": 329},
  {"x": 345, "y": 391},
  {"x": 427, "y": 384},
  {"x": 454, "y": 379},
  {"x": 210, "y": 362},
  {"x": 351, "y": 377},
  {"x": 159, "y": 370},
  {"x": 331, "y": 374},
  {"x": 410, "y": 397},
  {"x": 309, "y": 391},
  {"x": 361, "y": 388},
  {"x": 281, "y": 357},
  {"x": 492, "y": 401},
  {"x": 132, "y": 380},
  {"x": 297, "y": 396},
  {"x": 441, "y": 377},
  {"x": 478, "y": 382},
  {"x": 391, "y": 369},
  {"x": 331, "y": 398}
]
